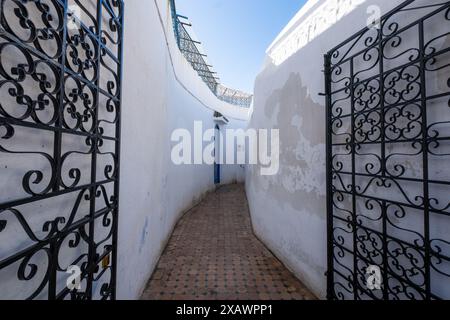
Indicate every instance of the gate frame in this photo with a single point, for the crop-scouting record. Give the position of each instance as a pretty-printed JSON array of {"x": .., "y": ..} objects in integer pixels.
[
  {"x": 52, "y": 243},
  {"x": 422, "y": 59}
]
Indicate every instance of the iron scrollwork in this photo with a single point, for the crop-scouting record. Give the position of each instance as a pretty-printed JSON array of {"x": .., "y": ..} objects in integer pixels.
[
  {"x": 60, "y": 91},
  {"x": 388, "y": 146}
]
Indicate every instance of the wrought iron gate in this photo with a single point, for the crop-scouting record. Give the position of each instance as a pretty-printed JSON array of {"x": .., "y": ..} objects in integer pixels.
[
  {"x": 388, "y": 152},
  {"x": 60, "y": 93}
]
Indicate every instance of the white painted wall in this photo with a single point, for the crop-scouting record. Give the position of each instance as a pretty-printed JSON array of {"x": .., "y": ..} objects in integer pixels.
[
  {"x": 161, "y": 93},
  {"x": 232, "y": 173},
  {"x": 289, "y": 210}
]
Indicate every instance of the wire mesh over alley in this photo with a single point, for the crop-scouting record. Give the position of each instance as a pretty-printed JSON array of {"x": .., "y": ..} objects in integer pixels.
[{"x": 213, "y": 254}]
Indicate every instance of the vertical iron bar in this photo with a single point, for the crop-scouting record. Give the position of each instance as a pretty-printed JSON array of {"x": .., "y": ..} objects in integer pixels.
[
  {"x": 329, "y": 179},
  {"x": 93, "y": 191},
  {"x": 353, "y": 150},
  {"x": 383, "y": 161},
  {"x": 52, "y": 270},
  {"x": 117, "y": 151},
  {"x": 426, "y": 195},
  {"x": 59, "y": 121},
  {"x": 57, "y": 150}
]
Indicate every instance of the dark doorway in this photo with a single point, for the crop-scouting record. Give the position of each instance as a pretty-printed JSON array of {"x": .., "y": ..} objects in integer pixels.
[{"x": 217, "y": 156}]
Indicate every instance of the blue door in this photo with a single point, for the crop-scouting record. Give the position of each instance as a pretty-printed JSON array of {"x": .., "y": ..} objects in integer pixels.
[
  {"x": 216, "y": 164},
  {"x": 217, "y": 173}
]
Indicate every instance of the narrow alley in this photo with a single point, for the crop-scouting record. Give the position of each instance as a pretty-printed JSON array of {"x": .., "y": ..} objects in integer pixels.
[
  {"x": 225, "y": 150},
  {"x": 213, "y": 254}
]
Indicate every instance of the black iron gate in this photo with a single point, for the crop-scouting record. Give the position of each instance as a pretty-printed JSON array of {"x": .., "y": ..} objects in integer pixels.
[
  {"x": 388, "y": 152},
  {"x": 60, "y": 93}
]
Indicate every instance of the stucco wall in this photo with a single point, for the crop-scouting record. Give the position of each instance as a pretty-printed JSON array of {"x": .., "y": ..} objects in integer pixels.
[
  {"x": 161, "y": 93},
  {"x": 289, "y": 210}
]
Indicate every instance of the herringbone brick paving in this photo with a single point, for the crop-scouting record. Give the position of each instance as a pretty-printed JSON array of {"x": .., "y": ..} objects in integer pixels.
[{"x": 214, "y": 255}]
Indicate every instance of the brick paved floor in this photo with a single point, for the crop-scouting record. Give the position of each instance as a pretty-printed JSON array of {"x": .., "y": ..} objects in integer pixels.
[{"x": 213, "y": 254}]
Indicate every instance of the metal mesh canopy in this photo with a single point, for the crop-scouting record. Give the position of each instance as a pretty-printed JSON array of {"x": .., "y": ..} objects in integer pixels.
[
  {"x": 192, "y": 52},
  {"x": 233, "y": 96}
]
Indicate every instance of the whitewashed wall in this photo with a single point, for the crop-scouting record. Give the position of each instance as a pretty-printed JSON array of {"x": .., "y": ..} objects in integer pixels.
[
  {"x": 161, "y": 93},
  {"x": 289, "y": 210}
]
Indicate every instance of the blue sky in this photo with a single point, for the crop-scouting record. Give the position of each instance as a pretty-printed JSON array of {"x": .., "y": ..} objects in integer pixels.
[{"x": 236, "y": 33}]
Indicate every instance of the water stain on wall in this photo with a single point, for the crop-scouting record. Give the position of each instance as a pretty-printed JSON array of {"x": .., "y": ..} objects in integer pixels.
[
  {"x": 144, "y": 235},
  {"x": 300, "y": 182}
]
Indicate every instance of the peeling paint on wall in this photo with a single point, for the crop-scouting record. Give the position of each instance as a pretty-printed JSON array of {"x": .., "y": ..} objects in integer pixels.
[
  {"x": 302, "y": 148},
  {"x": 289, "y": 210}
]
